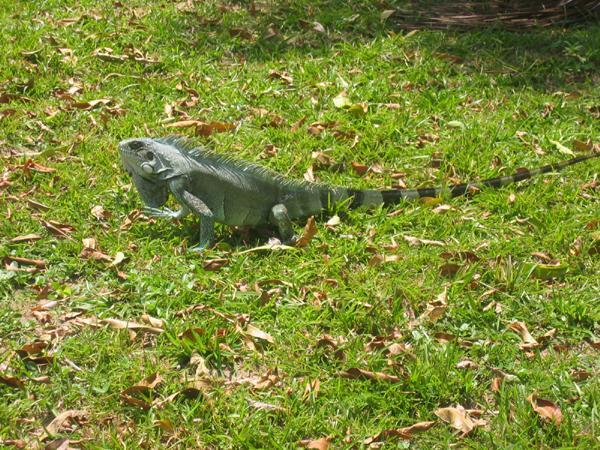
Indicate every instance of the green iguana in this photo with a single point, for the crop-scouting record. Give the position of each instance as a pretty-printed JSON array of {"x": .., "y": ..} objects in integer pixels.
[{"x": 218, "y": 188}]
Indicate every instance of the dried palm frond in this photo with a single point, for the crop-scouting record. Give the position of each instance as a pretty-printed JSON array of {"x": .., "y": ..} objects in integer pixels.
[{"x": 512, "y": 14}]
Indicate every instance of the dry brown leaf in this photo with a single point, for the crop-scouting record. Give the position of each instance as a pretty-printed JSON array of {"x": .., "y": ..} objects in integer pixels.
[
  {"x": 466, "y": 364},
  {"x": 378, "y": 259},
  {"x": 449, "y": 269},
  {"x": 310, "y": 230},
  {"x": 12, "y": 381},
  {"x": 283, "y": 76},
  {"x": 254, "y": 332},
  {"x": 546, "y": 409},
  {"x": 356, "y": 373},
  {"x": 90, "y": 251},
  {"x": 58, "y": 229},
  {"x": 458, "y": 419},
  {"x": 153, "y": 321},
  {"x": 402, "y": 433},
  {"x": 27, "y": 261},
  {"x": 60, "y": 421},
  {"x": 316, "y": 444},
  {"x": 25, "y": 238},
  {"x": 100, "y": 213},
  {"x": 442, "y": 209},
  {"x": 212, "y": 265},
  {"x": 529, "y": 341},
  {"x": 359, "y": 168},
  {"x": 143, "y": 387},
  {"x": 119, "y": 324}
]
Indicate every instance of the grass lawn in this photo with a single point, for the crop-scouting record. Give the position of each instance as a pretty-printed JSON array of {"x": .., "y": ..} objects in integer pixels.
[{"x": 481, "y": 309}]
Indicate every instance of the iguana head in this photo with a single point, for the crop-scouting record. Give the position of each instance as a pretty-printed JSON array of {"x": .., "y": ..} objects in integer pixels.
[{"x": 151, "y": 164}]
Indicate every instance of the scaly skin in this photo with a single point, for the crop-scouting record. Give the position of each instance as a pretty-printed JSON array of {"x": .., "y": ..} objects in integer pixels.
[{"x": 238, "y": 193}]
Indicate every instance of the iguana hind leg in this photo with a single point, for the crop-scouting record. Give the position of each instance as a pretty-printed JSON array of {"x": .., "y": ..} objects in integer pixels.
[{"x": 279, "y": 217}]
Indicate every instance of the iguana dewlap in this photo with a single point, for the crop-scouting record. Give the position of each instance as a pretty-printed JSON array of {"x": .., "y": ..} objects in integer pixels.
[{"x": 217, "y": 188}]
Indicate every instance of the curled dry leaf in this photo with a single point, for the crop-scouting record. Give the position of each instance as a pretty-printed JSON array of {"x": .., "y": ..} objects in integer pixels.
[
  {"x": 153, "y": 321},
  {"x": 459, "y": 419},
  {"x": 63, "y": 420},
  {"x": 310, "y": 230},
  {"x": 24, "y": 261},
  {"x": 212, "y": 265},
  {"x": 378, "y": 259},
  {"x": 25, "y": 238},
  {"x": 12, "y": 381},
  {"x": 100, "y": 213},
  {"x": 529, "y": 341},
  {"x": 254, "y": 332},
  {"x": 546, "y": 409},
  {"x": 316, "y": 444},
  {"x": 402, "y": 433},
  {"x": 203, "y": 128},
  {"x": 90, "y": 251},
  {"x": 58, "y": 229},
  {"x": 143, "y": 387},
  {"x": 467, "y": 364},
  {"x": 126, "y": 325},
  {"x": 355, "y": 373}
]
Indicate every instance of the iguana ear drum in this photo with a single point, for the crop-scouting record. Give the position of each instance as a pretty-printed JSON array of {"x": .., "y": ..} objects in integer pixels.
[{"x": 147, "y": 168}]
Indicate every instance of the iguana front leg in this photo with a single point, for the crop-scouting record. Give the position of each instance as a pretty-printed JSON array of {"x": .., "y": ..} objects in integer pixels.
[
  {"x": 190, "y": 203},
  {"x": 279, "y": 217},
  {"x": 166, "y": 213}
]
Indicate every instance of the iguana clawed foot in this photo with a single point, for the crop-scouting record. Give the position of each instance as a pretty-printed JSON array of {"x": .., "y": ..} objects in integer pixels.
[{"x": 164, "y": 213}]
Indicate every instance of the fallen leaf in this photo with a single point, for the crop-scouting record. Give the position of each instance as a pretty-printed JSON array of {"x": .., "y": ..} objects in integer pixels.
[
  {"x": 310, "y": 230},
  {"x": 90, "y": 251},
  {"x": 27, "y": 261},
  {"x": 144, "y": 387},
  {"x": 316, "y": 444},
  {"x": 100, "y": 213},
  {"x": 442, "y": 209},
  {"x": 265, "y": 406},
  {"x": 386, "y": 14},
  {"x": 355, "y": 373},
  {"x": 60, "y": 421},
  {"x": 25, "y": 238},
  {"x": 402, "y": 433},
  {"x": 213, "y": 265},
  {"x": 529, "y": 341},
  {"x": 418, "y": 241},
  {"x": 283, "y": 76},
  {"x": 359, "y": 168},
  {"x": 119, "y": 324},
  {"x": 458, "y": 419},
  {"x": 58, "y": 229},
  {"x": 255, "y": 332},
  {"x": 12, "y": 381},
  {"x": 153, "y": 321},
  {"x": 562, "y": 149},
  {"x": 466, "y": 364},
  {"x": 546, "y": 409}
]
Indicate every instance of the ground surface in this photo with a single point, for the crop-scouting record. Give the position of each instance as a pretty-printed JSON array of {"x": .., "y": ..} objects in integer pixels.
[{"x": 384, "y": 319}]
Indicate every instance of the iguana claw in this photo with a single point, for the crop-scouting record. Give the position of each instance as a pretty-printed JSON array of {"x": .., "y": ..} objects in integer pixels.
[{"x": 165, "y": 213}]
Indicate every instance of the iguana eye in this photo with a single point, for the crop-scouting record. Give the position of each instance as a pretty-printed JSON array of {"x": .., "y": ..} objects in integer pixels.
[{"x": 149, "y": 156}]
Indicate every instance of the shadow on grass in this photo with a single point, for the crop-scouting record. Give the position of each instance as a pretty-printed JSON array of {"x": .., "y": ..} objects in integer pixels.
[{"x": 538, "y": 57}]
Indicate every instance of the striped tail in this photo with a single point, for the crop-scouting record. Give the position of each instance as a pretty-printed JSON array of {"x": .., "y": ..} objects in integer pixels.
[{"x": 393, "y": 196}]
